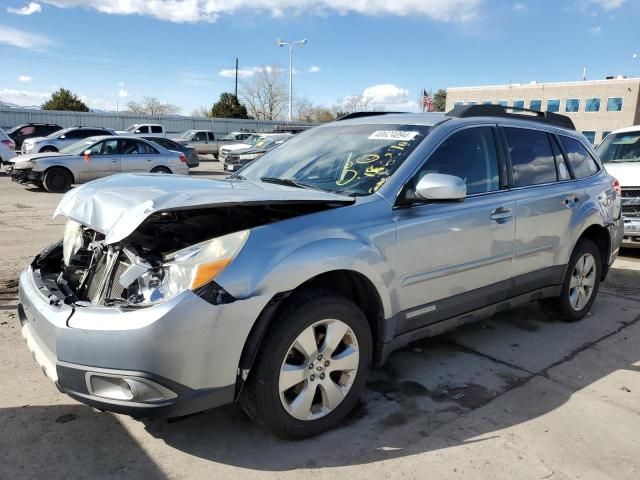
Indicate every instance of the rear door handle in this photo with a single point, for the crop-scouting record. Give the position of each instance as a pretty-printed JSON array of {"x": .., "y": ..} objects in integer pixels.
[
  {"x": 501, "y": 215},
  {"x": 571, "y": 200}
]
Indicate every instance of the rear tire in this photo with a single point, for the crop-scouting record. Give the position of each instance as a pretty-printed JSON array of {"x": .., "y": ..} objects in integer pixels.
[
  {"x": 580, "y": 285},
  {"x": 48, "y": 149},
  {"x": 160, "y": 170},
  {"x": 57, "y": 180},
  {"x": 324, "y": 341}
]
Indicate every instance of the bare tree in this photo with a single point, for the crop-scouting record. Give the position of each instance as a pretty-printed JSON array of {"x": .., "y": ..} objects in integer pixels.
[
  {"x": 265, "y": 95},
  {"x": 305, "y": 110},
  {"x": 152, "y": 106},
  {"x": 202, "y": 112},
  {"x": 351, "y": 104}
]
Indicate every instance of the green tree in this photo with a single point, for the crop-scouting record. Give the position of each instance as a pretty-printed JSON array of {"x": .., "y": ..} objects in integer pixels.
[
  {"x": 229, "y": 107},
  {"x": 440, "y": 100},
  {"x": 63, "y": 99}
]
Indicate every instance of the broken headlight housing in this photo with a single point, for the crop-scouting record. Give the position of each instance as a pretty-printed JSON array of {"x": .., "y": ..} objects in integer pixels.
[{"x": 187, "y": 269}]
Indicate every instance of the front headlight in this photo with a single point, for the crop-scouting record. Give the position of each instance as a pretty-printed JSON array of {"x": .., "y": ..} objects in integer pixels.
[{"x": 188, "y": 269}]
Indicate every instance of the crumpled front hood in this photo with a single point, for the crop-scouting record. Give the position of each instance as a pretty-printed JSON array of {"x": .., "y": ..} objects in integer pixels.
[
  {"x": 627, "y": 173},
  {"x": 115, "y": 206},
  {"x": 22, "y": 161}
]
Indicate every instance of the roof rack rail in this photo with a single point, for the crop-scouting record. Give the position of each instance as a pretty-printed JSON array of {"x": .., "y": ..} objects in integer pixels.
[
  {"x": 349, "y": 116},
  {"x": 466, "y": 111}
]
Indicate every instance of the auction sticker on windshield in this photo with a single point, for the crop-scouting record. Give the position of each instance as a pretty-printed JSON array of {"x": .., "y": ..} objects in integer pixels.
[{"x": 392, "y": 135}]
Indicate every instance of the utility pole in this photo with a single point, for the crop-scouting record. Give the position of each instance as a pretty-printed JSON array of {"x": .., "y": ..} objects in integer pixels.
[
  {"x": 236, "y": 77},
  {"x": 291, "y": 45}
]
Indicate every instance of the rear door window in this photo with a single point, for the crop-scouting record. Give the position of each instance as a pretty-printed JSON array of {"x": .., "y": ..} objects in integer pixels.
[
  {"x": 582, "y": 164},
  {"x": 532, "y": 160},
  {"x": 156, "y": 129},
  {"x": 211, "y": 136}
]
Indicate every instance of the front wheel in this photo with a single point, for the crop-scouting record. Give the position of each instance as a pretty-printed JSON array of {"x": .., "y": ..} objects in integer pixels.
[
  {"x": 312, "y": 366},
  {"x": 580, "y": 285},
  {"x": 57, "y": 180},
  {"x": 160, "y": 170}
]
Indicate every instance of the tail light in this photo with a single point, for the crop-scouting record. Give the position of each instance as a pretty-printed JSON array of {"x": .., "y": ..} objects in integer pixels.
[
  {"x": 616, "y": 186},
  {"x": 9, "y": 143},
  {"x": 183, "y": 159}
]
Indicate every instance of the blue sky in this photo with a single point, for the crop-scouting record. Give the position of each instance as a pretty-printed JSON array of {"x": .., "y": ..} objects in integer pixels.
[{"x": 177, "y": 50}]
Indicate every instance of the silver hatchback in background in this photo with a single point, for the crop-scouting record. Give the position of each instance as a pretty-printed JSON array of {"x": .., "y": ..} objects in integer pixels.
[
  {"x": 95, "y": 158},
  {"x": 281, "y": 286},
  {"x": 60, "y": 139}
]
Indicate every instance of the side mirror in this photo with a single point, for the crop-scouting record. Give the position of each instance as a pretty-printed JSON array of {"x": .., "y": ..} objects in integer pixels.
[
  {"x": 62, "y": 137},
  {"x": 441, "y": 187},
  {"x": 137, "y": 131},
  {"x": 87, "y": 155}
]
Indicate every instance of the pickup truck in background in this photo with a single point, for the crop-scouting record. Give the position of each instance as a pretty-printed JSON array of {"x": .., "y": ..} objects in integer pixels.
[
  {"x": 205, "y": 141},
  {"x": 145, "y": 129}
]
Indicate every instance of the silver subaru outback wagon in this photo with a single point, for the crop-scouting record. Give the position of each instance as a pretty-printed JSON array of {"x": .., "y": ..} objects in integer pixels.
[{"x": 281, "y": 286}]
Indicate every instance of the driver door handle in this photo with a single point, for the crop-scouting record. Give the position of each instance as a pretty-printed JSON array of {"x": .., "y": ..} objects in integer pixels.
[{"x": 501, "y": 215}]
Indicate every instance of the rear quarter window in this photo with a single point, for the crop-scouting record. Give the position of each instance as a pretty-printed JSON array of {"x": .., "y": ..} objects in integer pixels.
[
  {"x": 579, "y": 158},
  {"x": 532, "y": 159}
]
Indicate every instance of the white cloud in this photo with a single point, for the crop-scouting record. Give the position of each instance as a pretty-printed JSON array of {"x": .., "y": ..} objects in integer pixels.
[
  {"x": 519, "y": 7},
  {"x": 122, "y": 92},
  {"x": 191, "y": 11},
  {"x": 314, "y": 69},
  {"x": 597, "y": 30},
  {"x": 25, "y": 79},
  {"x": 386, "y": 96},
  {"x": 244, "y": 72},
  {"x": 23, "y": 38},
  {"x": 31, "y": 98},
  {"x": 608, "y": 4},
  {"x": 635, "y": 55},
  {"x": 29, "y": 9}
]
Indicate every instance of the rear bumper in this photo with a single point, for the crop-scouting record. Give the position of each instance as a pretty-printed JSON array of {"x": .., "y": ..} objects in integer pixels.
[{"x": 186, "y": 346}]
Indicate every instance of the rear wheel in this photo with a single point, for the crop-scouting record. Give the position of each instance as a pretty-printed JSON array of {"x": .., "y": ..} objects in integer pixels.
[
  {"x": 48, "y": 149},
  {"x": 312, "y": 366},
  {"x": 57, "y": 180},
  {"x": 160, "y": 170},
  {"x": 580, "y": 285}
]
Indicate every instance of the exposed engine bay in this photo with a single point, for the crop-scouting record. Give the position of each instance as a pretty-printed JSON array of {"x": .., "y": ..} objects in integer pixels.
[{"x": 149, "y": 265}]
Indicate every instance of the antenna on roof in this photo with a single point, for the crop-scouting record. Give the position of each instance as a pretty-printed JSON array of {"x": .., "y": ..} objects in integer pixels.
[{"x": 584, "y": 73}]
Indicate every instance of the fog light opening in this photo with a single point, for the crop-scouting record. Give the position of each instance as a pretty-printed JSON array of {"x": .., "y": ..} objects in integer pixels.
[{"x": 126, "y": 388}]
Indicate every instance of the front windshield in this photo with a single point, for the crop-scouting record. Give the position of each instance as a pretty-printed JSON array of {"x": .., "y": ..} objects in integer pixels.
[
  {"x": 351, "y": 159},
  {"x": 132, "y": 128},
  {"x": 188, "y": 134},
  {"x": 78, "y": 147},
  {"x": 620, "y": 147},
  {"x": 265, "y": 142},
  {"x": 252, "y": 139},
  {"x": 59, "y": 133},
  {"x": 14, "y": 129}
]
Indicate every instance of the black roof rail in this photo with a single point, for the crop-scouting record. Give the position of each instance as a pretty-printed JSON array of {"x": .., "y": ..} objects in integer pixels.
[
  {"x": 467, "y": 111},
  {"x": 349, "y": 116}
]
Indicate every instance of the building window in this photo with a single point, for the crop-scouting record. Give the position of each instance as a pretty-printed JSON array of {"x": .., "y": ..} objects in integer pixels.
[
  {"x": 592, "y": 105},
  {"x": 553, "y": 105},
  {"x": 458, "y": 104},
  {"x": 535, "y": 105},
  {"x": 591, "y": 136},
  {"x": 472, "y": 103},
  {"x": 614, "y": 104},
  {"x": 573, "y": 105},
  {"x": 518, "y": 104},
  {"x": 503, "y": 103},
  {"x": 487, "y": 102}
]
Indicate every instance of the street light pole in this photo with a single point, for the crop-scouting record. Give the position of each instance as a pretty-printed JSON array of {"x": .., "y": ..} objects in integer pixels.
[{"x": 291, "y": 45}]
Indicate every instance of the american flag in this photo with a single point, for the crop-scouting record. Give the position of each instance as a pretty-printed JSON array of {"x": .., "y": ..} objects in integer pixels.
[{"x": 427, "y": 103}]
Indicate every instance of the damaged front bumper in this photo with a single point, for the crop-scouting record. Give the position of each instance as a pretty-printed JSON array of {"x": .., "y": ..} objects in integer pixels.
[
  {"x": 169, "y": 360},
  {"x": 24, "y": 176}
]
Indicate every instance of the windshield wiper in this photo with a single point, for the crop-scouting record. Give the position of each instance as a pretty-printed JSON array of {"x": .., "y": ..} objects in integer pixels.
[{"x": 289, "y": 182}]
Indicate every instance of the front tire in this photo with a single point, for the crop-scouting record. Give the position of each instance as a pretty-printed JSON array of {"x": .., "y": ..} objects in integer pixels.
[
  {"x": 160, "y": 170},
  {"x": 48, "y": 150},
  {"x": 57, "y": 180},
  {"x": 580, "y": 285},
  {"x": 312, "y": 366}
]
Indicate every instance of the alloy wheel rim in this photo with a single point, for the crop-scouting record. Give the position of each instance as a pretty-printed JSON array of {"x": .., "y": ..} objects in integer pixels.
[
  {"x": 583, "y": 280},
  {"x": 318, "y": 370}
]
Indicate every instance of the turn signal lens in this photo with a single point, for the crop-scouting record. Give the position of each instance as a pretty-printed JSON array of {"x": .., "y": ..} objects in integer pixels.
[
  {"x": 616, "y": 186},
  {"x": 205, "y": 272}
]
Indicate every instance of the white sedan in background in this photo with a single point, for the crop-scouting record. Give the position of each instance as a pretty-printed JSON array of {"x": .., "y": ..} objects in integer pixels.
[{"x": 94, "y": 158}]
